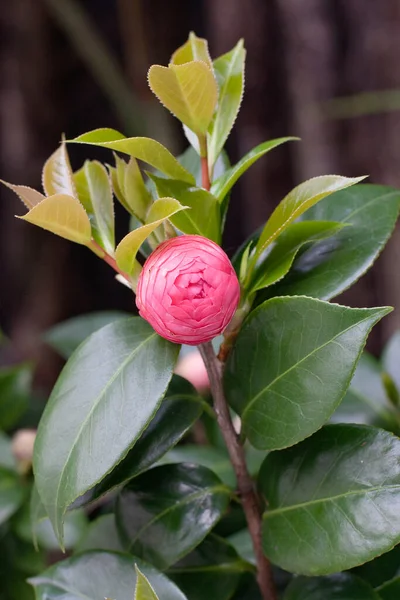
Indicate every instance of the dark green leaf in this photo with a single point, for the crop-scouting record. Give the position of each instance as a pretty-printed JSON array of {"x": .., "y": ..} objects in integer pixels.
[
  {"x": 381, "y": 569},
  {"x": 179, "y": 410},
  {"x": 103, "y": 400},
  {"x": 229, "y": 71},
  {"x": 203, "y": 217},
  {"x": 166, "y": 512},
  {"x": 243, "y": 545},
  {"x": 12, "y": 494},
  {"x": 390, "y": 590},
  {"x": 101, "y": 534},
  {"x": 278, "y": 262},
  {"x": 15, "y": 383},
  {"x": 98, "y": 575},
  {"x": 333, "y": 501},
  {"x": 190, "y": 159},
  {"x": 291, "y": 365},
  {"x": 221, "y": 186},
  {"x": 337, "y": 587},
  {"x": 331, "y": 266},
  {"x": 216, "y": 459},
  {"x": 391, "y": 358},
  {"x": 7, "y": 459},
  {"x": 68, "y": 335},
  {"x": 212, "y": 570}
]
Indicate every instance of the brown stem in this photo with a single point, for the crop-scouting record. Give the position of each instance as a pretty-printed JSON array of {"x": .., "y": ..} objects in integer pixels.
[
  {"x": 97, "y": 249},
  {"x": 250, "y": 501},
  {"x": 205, "y": 175}
]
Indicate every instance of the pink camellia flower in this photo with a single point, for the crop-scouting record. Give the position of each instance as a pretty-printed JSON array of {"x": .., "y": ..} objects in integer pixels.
[{"x": 188, "y": 290}]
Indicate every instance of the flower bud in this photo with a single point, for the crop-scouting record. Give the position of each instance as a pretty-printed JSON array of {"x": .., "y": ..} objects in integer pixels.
[{"x": 188, "y": 290}]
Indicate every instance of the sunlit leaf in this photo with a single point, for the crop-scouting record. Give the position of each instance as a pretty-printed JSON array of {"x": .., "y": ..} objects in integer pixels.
[
  {"x": 229, "y": 70},
  {"x": 194, "y": 49},
  {"x": 188, "y": 90},
  {"x": 57, "y": 176},
  {"x": 143, "y": 590},
  {"x": 300, "y": 199},
  {"x": 102, "y": 202},
  {"x": 127, "y": 249},
  {"x": 142, "y": 148},
  {"x": 63, "y": 215}
]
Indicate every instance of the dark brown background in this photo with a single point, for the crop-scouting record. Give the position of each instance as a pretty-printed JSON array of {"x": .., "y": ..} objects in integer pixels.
[{"x": 57, "y": 75}]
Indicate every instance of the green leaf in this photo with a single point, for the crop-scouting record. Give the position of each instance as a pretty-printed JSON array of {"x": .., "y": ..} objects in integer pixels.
[
  {"x": 191, "y": 161},
  {"x": 101, "y": 534},
  {"x": 337, "y": 587},
  {"x": 7, "y": 459},
  {"x": 229, "y": 70},
  {"x": 63, "y": 215},
  {"x": 11, "y": 494},
  {"x": 68, "y": 335},
  {"x": 142, "y": 148},
  {"x": 391, "y": 358},
  {"x": 365, "y": 401},
  {"x": 29, "y": 196},
  {"x": 333, "y": 500},
  {"x": 194, "y": 49},
  {"x": 188, "y": 90},
  {"x": 98, "y": 575},
  {"x": 300, "y": 199},
  {"x": 212, "y": 570},
  {"x": 280, "y": 259},
  {"x": 225, "y": 182},
  {"x": 243, "y": 545},
  {"x": 135, "y": 192},
  {"x": 103, "y": 209},
  {"x": 291, "y": 365},
  {"x": 390, "y": 590},
  {"x": 143, "y": 590},
  {"x": 381, "y": 569},
  {"x": 127, "y": 249},
  {"x": 179, "y": 410},
  {"x": 15, "y": 384},
  {"x": 215, "y": 459},
  {"x": 156, "y": 512},
  {"x": 100, "y": 379},
  {"x": 329, "y": 267},
  {"x": 57, "y": 176},
  {"x": 203, "y": 218}
]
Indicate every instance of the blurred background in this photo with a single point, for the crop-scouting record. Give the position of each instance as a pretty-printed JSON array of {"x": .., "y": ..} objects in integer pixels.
[{"x": 324, "y": 70}]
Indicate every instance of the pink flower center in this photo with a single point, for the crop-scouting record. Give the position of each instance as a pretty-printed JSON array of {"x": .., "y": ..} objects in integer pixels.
[{"x": 192, "y": 286}]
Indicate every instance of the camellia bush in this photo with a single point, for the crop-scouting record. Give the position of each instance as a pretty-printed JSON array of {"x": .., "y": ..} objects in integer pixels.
[{"x": 272, "y": 487}]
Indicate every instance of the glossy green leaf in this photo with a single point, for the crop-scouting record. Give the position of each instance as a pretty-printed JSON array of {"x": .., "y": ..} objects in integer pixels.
[
  {"x": 156, "y": 512},
  {"x": 29, "y": 196},
  {"x": 145, "y": 149},
  {"x": 179, "y": 410},
  {"x": 98, "y": 575},
  {"x": 333, "y": 501},
  {"x": 280, "y": 259},
  {"x": 212, "y": 570},
  {"x": 15, "y": 383},
  {"x": 143, "y": 590},
  {"x": 68, "y": 335},
  {"x": 391, "y": 358},
  {"x": 101, "y": 534},
  {"x": 57, "y": 176},
  {"x": 63, "y": 215},
  {"x": 100, "y": 379},
  {"x": 188, "y": 90},
  {"x": 194, "y": 49},
  {"x": 365, "y": 401},
  {"x": 215, "y": 459},
  {"x": 329, "y": 267},
  {"x": 11, "y": 494},
  {"x": 337, "y": 587},
  {"x": 191, "y": 161},
  {"x": 127, "y": 249},
  {"x": 225, "y": 182},
  {"x": 291, "y": 365},
  {"x": 229, "y": 70},
  {"x": 203, "y": 218},
  {"x": 102, "y": 202},
  {"x": 300, "y": 199}
]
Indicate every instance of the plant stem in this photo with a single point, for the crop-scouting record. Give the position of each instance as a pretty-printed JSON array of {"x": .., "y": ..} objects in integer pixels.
[
  {"x": 97, "y": 249},
  {"x": 248, "y": 496}
]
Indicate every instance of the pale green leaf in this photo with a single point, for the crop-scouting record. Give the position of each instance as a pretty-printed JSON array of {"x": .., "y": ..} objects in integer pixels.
[
  {"x": 103, "y": 209},
  {"x": 143, "y": 590},
  {"x": 194, "y": 49},
  {"x": 189, "y": 91},
  {"x": 63, "y": 215},
  {"x": 145, "y": 149},
  {"x": 127, "y": 249}
]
